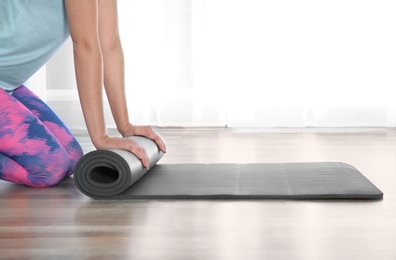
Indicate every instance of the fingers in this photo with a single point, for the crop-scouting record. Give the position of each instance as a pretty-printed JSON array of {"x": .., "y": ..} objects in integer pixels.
[
  {"x": 125, "y": 144},
  {"x": 158, "y": 140},
  {"x": 151, "y": 134},
  {"x": 140, "y": 153}
]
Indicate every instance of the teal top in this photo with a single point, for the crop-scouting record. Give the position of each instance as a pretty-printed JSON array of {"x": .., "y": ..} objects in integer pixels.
[{"x": 31, "y": 31}]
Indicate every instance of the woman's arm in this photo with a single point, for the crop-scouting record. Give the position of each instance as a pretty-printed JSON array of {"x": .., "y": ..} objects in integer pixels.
[
  {"x": 83, "y": 22},
  {"x": 83, "y": 16},
  {"x": 113, "y": 61}
]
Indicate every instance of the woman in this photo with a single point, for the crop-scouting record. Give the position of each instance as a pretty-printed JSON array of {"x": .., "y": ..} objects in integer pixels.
[{"x": 36, "y": 148}]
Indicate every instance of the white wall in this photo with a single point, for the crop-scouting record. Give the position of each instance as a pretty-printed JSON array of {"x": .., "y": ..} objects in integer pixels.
[{"x": 38, "y": 83}]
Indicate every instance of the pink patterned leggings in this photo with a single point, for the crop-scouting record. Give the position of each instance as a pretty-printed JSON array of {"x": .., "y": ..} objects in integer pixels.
[{"x": 36, "y": 148}]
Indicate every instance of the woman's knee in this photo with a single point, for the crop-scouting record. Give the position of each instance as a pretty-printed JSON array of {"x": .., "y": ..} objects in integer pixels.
[
  {"x": 47, "y": 170},
  {"x": 33, "y": 172}
]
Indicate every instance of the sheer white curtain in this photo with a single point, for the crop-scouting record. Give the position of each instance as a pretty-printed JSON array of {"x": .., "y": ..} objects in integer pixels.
[{"x": 260, "y": 63}]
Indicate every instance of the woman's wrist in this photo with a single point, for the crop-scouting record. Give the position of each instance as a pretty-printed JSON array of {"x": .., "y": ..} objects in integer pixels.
[
  {"x": 127, "y": 129},
  {"x": 99, "y": 141}
]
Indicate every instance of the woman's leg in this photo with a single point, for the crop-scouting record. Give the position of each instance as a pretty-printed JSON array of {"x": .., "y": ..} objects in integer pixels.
[
  {"x": 52, "y": 122},
  {"x": 11, "y": 171},
  {"x": 29, "y": 152}
]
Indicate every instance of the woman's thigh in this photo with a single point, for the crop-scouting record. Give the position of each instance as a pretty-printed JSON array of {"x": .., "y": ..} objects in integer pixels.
[
  {"x": 27, "y": 142},
  {"x": 43, "y": 112}
]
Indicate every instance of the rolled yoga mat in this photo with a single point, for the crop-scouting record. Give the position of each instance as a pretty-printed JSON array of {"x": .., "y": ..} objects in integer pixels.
[{"x": 118, "y": 174}]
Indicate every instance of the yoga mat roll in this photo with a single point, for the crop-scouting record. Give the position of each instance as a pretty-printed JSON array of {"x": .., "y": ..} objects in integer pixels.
[
  {"x": 118, "y": 174},
  {"x": 107, "y": 173}
]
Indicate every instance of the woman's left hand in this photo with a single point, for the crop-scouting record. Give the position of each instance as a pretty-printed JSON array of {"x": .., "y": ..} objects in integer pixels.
[{"x": 145, "y": 131}]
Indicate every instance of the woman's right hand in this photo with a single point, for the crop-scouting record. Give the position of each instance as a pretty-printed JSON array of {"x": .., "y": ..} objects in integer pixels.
[{"x": 108, "y": 142}]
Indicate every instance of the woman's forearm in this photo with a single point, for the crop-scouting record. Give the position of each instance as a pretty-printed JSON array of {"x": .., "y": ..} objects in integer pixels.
[
  {"x": 83, "y": 24},
  {"x": 113, "y": 60},
  {"x": 88, "y": 64}
]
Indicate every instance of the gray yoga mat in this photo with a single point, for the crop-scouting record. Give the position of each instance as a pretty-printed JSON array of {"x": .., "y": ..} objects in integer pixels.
[{"x": 118, "y": 174}]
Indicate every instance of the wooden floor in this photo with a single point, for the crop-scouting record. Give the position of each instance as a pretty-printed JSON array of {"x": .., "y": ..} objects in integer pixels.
[{"x": 61, "y": 223}]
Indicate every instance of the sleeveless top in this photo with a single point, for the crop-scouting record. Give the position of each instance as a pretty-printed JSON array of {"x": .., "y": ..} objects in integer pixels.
[{"x": 31, "y": 31}]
